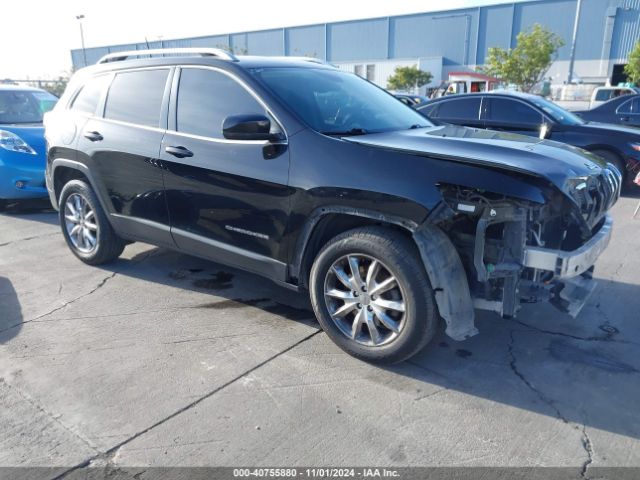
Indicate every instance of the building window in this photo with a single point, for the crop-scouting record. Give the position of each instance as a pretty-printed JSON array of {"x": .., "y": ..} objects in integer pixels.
[
  {"x": 371, "y": 72},
  {"x": 358, "y": 70}
]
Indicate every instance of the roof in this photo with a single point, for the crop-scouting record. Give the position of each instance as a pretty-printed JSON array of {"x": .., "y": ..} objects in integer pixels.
[
  {"x": 242, "y": 61},
  {"x": 497, "y": 93}
]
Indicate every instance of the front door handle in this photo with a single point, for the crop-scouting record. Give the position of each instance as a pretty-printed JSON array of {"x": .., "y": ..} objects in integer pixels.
[
  {"x": 93, "y": 136},
  {"x": 624, "y": 119},
  {"x": 180, "y": 151}
]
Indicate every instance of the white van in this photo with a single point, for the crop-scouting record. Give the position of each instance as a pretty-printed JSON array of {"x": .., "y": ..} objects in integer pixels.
[{"x": 602, "y": 94}]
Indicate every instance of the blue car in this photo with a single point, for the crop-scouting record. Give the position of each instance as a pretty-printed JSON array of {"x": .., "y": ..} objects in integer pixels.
[{"x": 22, "y": 145}]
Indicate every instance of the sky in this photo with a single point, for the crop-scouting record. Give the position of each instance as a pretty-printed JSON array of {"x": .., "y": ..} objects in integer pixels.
[{"x": 37, "y": 35}]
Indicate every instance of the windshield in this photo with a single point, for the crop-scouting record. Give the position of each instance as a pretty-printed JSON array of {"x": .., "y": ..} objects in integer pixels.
[
  {"x": 557, "y": 113},
  {"x": 339, "y": 103},
  {"x": 24, "y": 106}
]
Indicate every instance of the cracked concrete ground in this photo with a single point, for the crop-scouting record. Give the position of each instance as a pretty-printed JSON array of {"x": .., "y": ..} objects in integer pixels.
[{"x": 162, "y": 359}]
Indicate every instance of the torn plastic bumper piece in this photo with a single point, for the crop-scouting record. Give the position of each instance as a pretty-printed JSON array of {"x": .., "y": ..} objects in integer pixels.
[
  {"x": 570, "y": 295},
  {"x": 449, "y": 281}
]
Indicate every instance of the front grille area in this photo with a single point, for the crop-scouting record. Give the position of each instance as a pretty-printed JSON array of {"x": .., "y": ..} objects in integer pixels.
[{"x": 599, "y": 195}]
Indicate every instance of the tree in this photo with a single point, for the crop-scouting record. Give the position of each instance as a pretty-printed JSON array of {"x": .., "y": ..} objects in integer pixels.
[
  {"x": 405, "y": 78},
  {"x": 632, "y": 68},
  {"x": 526, "y": 64},
  {"x": 58, "y": 86}
]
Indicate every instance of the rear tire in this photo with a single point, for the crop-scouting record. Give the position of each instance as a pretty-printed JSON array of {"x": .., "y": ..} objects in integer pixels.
[
  {"x": 3, "y": 205},
  {"x": 85, "y": 226},
  {"x": 384, "y": 312}
]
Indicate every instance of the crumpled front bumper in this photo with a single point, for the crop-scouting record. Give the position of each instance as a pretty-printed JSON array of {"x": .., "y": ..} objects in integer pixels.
[{"x": 565, "y": 264}]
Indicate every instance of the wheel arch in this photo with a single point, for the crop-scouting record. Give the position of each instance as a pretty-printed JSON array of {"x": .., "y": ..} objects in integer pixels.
[
  {"x": 439, "y": 256},
  {"x": 63, "y": 171},
  {"x": 327, "y": 222}
]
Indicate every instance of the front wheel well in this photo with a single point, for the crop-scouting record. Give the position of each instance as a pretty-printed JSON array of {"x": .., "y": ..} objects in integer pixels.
[{"x": 331, "y": 225}]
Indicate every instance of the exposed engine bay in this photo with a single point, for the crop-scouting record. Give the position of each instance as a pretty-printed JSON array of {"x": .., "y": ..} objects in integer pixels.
[{"x": 516, "y": 252}]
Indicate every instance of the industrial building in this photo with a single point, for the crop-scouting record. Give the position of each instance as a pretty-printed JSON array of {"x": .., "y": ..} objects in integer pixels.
[{"x": 600, "y": 33}]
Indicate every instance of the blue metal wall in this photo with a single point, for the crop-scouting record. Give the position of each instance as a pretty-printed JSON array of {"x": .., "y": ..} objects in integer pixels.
[{"x": 461, "y": 37}]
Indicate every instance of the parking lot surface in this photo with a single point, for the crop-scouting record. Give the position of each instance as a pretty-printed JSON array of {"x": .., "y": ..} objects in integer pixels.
[{"x": 161, "y": 359}]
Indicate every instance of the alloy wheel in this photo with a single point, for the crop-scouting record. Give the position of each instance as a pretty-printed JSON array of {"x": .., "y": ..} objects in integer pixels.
[
  {"x": 365, "y": 300},
  {"x": 80, "y": 222}
]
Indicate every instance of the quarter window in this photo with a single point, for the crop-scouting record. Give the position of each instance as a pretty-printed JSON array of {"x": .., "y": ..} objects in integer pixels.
[
  {"x": 136, "y": 97},
  {"x": 206, "y": 98},
  {"x": 508, "y": 111},
  {"x": 87, "y": 100}
]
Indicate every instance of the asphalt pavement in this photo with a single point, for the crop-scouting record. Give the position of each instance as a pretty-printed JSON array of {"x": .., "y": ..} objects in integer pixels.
[{"x": 162, "y": 359}]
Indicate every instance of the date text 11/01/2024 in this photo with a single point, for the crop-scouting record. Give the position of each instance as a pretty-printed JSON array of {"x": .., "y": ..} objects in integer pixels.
[{"x": 316, "y": 472}]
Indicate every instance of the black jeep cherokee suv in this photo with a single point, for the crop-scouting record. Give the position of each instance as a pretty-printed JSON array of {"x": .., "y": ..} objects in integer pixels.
[{"x": 319, "y": 180}]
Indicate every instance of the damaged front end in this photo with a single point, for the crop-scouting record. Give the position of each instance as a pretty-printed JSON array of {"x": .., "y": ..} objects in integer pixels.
[{"x": 516, "y": 251}]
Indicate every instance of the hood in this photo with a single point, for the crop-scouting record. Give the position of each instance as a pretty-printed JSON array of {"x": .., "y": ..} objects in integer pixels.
[
  {"x": 33, "y": 134},
  {"x": 541, "y": 158}
]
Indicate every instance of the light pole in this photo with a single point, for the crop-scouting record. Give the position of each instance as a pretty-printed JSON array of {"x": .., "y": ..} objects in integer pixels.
[
  {"x": 574, "y": 37},
  {"x": 84, "y": 52}
]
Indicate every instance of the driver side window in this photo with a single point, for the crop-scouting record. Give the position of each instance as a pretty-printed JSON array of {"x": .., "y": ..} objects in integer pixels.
[{"x": 207, "y": 97}]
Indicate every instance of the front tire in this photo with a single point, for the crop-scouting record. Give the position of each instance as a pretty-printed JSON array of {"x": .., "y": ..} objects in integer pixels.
[
  {"x": 372, "y": 296},
  {"x": 3, "y": 205},
  {"x": 85, "y": 226}
]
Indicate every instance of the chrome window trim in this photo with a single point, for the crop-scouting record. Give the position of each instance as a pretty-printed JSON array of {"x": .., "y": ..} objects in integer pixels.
[
  {"x": 250, "y": 90},
  {"x": 455, "y": 98},
  {"x": 243, "y": 84},
  {"x": 130, "y": 124},
  {"x": 129, "y": 70},
  {"x": 80, "y": 87},
  {"x": 533, "y": 107},
  {"x": 630, "y": 100},
  {"x": 221, "y": 140}
]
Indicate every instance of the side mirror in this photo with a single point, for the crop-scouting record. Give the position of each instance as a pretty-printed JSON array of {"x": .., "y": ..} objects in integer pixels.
[
  {"x": 248, "y": 127},
  {"x": 545, "y": 131}
]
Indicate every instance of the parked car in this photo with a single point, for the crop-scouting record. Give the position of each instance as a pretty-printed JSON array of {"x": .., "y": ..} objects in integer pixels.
[
  {"x": 22, "y": 150},
  {"x": 411, "y": 100},
  {"x": 535, "y": 116},
  {"x": 624, "y": 110},
  {"x": 389, "y": 221},
  {"x": 604, "y": 94}
]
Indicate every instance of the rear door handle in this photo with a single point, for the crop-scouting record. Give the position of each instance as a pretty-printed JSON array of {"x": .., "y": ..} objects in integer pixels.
[
  {"x": 93, "y": 136},
  {"x": 624, "y": 119},
  {"x": 180, "y": 151}
]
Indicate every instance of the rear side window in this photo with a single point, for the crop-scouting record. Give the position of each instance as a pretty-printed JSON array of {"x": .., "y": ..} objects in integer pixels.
[
  {"x": 504, "y": 110},
  {"x": 460, "y": 109},
  {"x": 87, "y": 100},
  {"x": 206, "y": 98},
  {"x": 630, "y": 106},
  {"x": 136, "y": 97}
]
